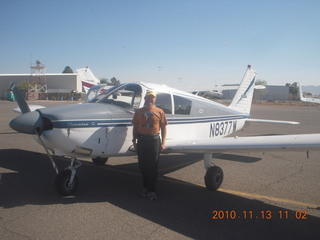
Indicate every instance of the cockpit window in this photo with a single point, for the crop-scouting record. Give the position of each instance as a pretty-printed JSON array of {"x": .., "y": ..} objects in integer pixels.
[
  {"x": 164, "y": 102},
  {"x": 181, "y": 105},
  {"x": 126, "y": 96},
  {"x": 103, "y": 94}
]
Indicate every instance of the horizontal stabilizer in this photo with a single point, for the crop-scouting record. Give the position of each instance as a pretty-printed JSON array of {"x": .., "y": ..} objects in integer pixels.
[
  {"x": 248, "y": 144},
  {"x": 271, "y": 121}
]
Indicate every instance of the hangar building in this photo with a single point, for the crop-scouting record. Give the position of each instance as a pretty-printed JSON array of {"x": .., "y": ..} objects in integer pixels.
[
  {"x": 56, "y": 82},
  {"x": 271, "y": 93}
]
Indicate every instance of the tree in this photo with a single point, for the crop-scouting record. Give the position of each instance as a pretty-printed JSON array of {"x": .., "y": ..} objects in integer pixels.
[
  {"x": 104, "y": 81},
  {"x": 67, "y": 69},
  {"x": 293, "y": 90},
  {"x": 261, "y": 82},
  {"x": 114, "y": 81}
]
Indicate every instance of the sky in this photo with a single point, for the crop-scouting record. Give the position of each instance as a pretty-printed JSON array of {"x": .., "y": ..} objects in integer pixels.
[{"x": 180, "y": 43}]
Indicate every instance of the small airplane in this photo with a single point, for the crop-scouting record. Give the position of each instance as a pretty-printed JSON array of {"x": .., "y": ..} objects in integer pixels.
[
  {"x": 87, "y": 78},
  {"x": 307, "y": 99},
  {"x": 210, "y": 94},
  {"x": 102, "y": 127}
]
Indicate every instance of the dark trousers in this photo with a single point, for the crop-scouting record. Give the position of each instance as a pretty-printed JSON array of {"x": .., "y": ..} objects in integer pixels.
[{"x": 148, "y": 149}]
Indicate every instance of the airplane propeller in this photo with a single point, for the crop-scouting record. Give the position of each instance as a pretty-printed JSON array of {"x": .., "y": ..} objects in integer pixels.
[
  {"x": 31, "y": 123},
  {"x": 27, "y": 123}
]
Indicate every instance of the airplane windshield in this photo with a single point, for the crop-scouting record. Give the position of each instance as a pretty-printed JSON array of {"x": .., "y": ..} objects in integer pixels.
[
  {"x": 124, "y": 95},
  {"x": 103, "y": 94},
  {"x": 96, "y": 91}
]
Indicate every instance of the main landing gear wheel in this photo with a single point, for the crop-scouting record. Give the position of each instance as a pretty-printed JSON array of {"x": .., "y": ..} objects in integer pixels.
[
  {"x": 213, "y": 178},
  {"x": 66, "y": 186},
  {"x": 99, "y": 161}
]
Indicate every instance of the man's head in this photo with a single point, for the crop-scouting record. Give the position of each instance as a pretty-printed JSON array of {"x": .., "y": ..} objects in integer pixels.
[
  {"x": 152, "y": 93},
  {"x": 150, "y": 98}
]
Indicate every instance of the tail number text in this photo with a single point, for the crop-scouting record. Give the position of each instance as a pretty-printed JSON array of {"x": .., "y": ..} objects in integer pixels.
[{"x": 221, "y": 128}]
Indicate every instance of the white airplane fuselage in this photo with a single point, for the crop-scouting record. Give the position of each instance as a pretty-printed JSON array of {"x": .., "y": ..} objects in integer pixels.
[
  {"x": 102, "y": 127},
  {"x": 108, "y": 131}
]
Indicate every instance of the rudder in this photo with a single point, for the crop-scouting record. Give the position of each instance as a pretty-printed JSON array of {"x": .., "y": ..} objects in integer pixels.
[{"x": 243, "y": 97}]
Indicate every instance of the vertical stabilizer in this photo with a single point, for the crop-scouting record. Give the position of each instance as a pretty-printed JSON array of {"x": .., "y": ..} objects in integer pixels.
[
  {"x": 302, "y": 98},
  {"x": 19, "y": 99},
  {"x": 243, "y": 97},
  {"x": 307, "y": 99},
  {"x": 87, "y": 78}
]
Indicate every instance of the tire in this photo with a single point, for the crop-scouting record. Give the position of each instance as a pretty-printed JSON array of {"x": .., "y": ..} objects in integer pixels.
[
  {"x": 62, "y": 183},
  {"x": 213, "y": 178},
  {"x": 99, "y": 161}
]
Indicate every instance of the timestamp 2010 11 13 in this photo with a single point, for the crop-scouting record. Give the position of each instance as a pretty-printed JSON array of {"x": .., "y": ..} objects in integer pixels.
[{"x": 264, "y": 214}]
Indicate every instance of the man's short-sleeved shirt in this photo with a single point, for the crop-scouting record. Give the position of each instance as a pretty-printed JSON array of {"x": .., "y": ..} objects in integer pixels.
[{"x": 149, "y": 121}]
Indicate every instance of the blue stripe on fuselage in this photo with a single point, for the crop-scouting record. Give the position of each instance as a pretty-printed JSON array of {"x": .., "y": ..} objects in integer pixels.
[{"x": 90, "y": 123}]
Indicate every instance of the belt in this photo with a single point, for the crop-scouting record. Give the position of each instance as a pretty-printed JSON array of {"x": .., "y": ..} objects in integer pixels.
[{"x": 148, "y": 136}]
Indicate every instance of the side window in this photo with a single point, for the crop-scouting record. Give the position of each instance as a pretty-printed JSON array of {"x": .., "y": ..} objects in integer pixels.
[
  {"x": 164, "y": 102},
  {"x": 181, "y": 105}
]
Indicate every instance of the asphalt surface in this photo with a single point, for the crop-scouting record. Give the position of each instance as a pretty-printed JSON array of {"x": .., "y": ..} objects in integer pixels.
[{"x": 264, "y": 195}]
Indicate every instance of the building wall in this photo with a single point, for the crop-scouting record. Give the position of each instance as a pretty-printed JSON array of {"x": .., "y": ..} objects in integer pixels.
[
  {"x": 270, "y": 93},
  {"x": 54, "y": 81}
]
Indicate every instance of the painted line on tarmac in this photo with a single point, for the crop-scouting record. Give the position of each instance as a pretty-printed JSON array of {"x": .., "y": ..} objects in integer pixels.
[
  {"x": 269, "y": 198},
  {"x": 238, "y": 193},
  {"x": 251, "y": 195}
]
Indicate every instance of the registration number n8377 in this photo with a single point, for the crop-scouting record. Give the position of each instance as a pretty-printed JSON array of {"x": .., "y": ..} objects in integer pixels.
[{"x": 222, "y": 128}]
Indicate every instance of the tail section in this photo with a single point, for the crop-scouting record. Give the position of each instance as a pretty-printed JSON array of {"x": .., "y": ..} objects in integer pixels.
[
  {"x": 302, "y": 98},
  {"x": 243, "y": 97},
  {"x": 87, "y": 78},
  {"x": 307, "y": 99},
  {"x": 19, "y": 99}
]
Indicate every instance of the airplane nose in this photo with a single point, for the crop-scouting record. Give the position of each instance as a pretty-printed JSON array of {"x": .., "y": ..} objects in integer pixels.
[{"x": 27, "y": 122}]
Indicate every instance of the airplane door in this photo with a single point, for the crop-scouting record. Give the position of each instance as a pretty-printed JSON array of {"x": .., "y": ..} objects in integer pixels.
[{"x": 117, "y": 141}]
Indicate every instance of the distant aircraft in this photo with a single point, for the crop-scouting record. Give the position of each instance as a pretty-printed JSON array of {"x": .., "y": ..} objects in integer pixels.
[
  {"x": 102, "y": 128},
  {"x": 210, "y": 94},
  {"x": 307, "y": 99},
  {"x": 217, "y": 91},
  {"x": 87, "y": 78}
]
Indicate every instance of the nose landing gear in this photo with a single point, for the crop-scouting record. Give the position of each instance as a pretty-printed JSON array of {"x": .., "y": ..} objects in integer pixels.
[{"x": 66, "y": 181}]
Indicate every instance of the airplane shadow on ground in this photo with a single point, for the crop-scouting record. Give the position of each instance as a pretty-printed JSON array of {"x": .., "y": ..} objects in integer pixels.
[{"x": 183, "y": 207}]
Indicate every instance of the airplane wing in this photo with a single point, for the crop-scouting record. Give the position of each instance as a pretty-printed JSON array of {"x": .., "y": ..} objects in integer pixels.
[{"x": 244, "y": 144}]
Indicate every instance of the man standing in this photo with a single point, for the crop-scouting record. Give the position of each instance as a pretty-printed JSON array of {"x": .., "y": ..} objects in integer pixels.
[{"x": 148, "y": 122}]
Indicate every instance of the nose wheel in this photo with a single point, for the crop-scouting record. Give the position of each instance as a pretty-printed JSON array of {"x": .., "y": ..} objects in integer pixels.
[{"x": 66, "y": 181}]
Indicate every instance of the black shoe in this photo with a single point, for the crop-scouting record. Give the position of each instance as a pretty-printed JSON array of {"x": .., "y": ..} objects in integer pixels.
[
  {"x": 152, "y": 196},
  {"x": 144, "y": 193}
]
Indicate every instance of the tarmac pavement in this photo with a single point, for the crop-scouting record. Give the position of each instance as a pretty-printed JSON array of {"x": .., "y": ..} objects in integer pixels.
[{"x": 271, "y": 195}]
